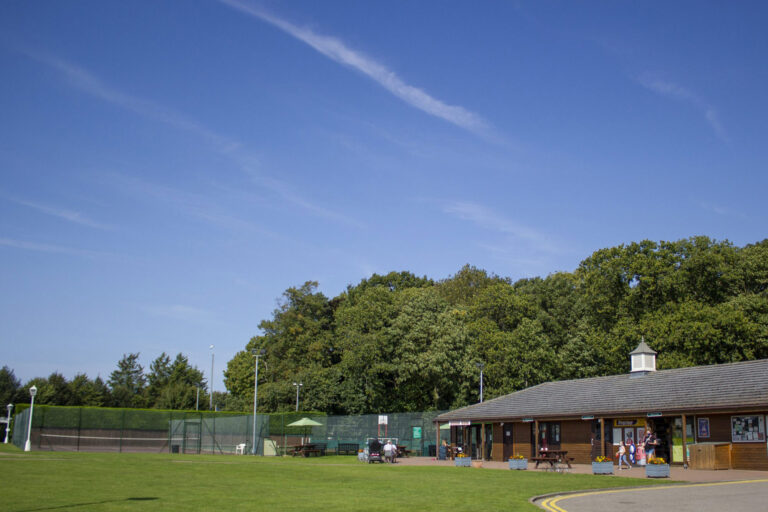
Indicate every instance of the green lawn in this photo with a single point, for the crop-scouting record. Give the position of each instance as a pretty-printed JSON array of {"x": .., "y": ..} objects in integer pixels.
[{"x": 40, "y": 481}]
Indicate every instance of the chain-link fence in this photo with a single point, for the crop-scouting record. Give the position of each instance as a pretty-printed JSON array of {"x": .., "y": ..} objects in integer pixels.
[{"x": 131, "y": 430}]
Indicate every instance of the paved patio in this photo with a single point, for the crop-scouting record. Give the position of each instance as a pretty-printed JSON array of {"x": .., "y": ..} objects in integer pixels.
[{"x": 677, "y": 473}]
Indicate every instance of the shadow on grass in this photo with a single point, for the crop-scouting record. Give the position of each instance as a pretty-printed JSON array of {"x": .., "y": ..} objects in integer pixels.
[{"x": 83, "y": 504}]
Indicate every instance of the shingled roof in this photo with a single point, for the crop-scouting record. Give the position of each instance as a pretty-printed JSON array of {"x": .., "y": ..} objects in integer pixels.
[{"x": 730, "y": 386}]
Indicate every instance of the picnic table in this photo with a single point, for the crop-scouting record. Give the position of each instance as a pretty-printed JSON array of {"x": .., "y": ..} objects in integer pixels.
[
  {"x": 555, "y": 460},
  {"x": 403, "y": 451},
  {"x": 306, "y": 450}
]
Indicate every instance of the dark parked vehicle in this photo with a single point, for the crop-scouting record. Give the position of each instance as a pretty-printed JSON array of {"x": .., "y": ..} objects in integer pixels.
[{"x": 374, "y": 452}]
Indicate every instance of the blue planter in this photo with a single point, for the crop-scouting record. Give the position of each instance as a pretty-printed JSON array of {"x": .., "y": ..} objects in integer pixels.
[
  {"x": 657, "y": 470},
  {"x": 518, "y": 463},
  {"x": 602, "y": 468},
  {"x": 463, "y": 462}
]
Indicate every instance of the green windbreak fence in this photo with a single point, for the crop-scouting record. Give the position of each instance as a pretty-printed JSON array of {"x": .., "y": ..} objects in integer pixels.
[{"x": 133, "y": 430}]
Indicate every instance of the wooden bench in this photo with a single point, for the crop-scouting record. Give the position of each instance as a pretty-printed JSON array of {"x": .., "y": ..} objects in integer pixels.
[
  {"x": 309, "y": 453},
  {"x": 347, "y": 449},
  {"x": 555, "y": 464}
]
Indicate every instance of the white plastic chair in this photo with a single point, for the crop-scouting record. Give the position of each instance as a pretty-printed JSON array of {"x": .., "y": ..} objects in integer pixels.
[{"x": 240, "y": 449}]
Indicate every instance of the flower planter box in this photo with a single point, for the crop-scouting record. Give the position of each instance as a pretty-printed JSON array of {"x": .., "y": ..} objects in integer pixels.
[
  {"x": 518, "y": 463},
  {"x": 463, "y": 462},
  {"x": 602, "y": 468},
  {"x": 657, "y": 470}
]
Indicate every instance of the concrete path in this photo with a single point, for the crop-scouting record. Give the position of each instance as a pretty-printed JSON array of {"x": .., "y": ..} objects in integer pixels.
[
  {"x": 698, "y": 490},
  {"x": 677, "y": 473}
]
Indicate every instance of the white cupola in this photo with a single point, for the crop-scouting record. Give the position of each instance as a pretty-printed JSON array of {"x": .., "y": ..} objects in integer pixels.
[{"x": 643, "y": 359}]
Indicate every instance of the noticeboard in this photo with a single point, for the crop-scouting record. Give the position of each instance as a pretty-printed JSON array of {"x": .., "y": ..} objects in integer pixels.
[{"x": 747, "y": 429}]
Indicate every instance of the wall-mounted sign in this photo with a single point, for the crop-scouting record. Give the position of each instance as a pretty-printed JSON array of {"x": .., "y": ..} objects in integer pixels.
[
  {"x": 587, "y": 417},
  {"x": 653, "y": 414},
  {"x": 631, "y": 422},
  {"x": 460, "y": 423},
  {"x": 417, "y": 432},
  {"x": 528, "y": 420}
]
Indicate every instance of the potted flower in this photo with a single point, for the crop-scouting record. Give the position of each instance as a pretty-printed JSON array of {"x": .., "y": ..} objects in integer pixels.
[
  {"x": 462, "y": 460},
  {"x": 657, "y": 468},
  {"x": 602, "y": 465},
  {"x": 518, "y": 461}
]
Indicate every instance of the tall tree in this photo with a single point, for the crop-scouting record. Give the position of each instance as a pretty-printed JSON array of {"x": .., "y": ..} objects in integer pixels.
[{"x": 127, "y": 383}]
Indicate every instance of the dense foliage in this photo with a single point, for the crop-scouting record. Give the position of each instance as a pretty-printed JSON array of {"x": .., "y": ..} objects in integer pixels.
[
  {"x": 399, "y": 342},
  {"x": 403, "y": 343}
]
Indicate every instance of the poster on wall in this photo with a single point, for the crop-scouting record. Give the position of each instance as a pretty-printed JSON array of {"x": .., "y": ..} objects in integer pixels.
[
  {"x": 703, "y": 430},
  {"x": 747, "y": 429}
]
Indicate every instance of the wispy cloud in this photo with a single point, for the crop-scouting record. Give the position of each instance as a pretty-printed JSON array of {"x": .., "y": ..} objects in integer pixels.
[
  {"x": 198, "y": 206},
  {"x": 181, "y": 313},
  {"x": 722, "y": 210},
  {"x": 61, "y": 213},
  {"x": 680, "y": 93},
  {"x": 338, "y": 51},
  {"x": 85, "y": 81},
  {"x": 47, "y": 248},
  {"x": 490, "y": 220}
]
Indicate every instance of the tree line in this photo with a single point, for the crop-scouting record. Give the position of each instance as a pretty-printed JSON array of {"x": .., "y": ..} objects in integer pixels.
[
  {"x": 399, "y": 342},
  {"x": 169, "y": 384}
]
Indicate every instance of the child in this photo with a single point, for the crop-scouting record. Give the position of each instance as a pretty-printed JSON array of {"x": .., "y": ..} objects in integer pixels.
[
  {"x": 631, "y": 450},
  {"x": 622, "y": 456}
]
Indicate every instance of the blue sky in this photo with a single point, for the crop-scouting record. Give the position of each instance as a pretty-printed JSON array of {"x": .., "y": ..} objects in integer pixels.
[{"x": 170, "y": 168}]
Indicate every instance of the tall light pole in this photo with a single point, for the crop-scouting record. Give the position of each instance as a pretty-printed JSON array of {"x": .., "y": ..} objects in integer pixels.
[
  {"x": 256, "y": 353},
  {"x": 211, "y": 377},
  {"x": 481, "y": 366},
  {"x": 28, "y": 444},
  {"x": 298, "y": 386},
  {"x": 8, "y": 422}
]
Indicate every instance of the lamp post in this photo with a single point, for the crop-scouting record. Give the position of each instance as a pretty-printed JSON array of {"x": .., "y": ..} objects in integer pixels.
[
  {"x": 211, "y": 377},
  {"x": 481, "y": 366},
  {"x": 28, "y": 444},
  {"x": 298, "y": 386},
  {"x": 8, "y": 422},
  {"x": 256, "y": 353}
]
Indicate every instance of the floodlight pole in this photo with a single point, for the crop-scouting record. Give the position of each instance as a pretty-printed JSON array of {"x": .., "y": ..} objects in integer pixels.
[
  {"x": 298, "y": 386},
  {"x": 211, "y": 377},
  {"x": 28, "y": 444},
  {"x": 481, "y": 366},
  {"x": 8, "y": 422},
  {"x": 256, "y": 393}
]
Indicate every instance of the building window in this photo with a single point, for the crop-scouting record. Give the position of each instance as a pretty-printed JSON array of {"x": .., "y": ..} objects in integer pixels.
[{"x": 549, "y": 434}]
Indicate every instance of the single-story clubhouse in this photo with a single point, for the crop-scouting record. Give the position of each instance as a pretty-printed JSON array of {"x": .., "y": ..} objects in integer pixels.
[{"x": 707, "y": 416}]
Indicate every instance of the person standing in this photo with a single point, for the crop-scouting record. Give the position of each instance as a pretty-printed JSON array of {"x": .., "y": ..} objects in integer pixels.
[
  {"x": 622, "y": 456},
  {"x": 649, "y": 443},
  {"x": 631, "y": 450},
  {"x": 390, "y": 451}
]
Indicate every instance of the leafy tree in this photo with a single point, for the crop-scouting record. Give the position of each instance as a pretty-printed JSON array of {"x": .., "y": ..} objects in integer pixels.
[{"x": 9, "y": 386}]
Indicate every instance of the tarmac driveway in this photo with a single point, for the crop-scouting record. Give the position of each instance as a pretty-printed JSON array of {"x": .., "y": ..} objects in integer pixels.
[{"x": 745, "y": 495}]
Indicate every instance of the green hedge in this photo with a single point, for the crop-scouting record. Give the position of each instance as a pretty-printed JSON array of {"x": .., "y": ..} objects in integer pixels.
[{"x": 53, "y": 416}]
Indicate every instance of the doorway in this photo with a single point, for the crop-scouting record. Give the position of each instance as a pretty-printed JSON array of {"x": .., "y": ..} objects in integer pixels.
[{"x": 509, "y": 447}]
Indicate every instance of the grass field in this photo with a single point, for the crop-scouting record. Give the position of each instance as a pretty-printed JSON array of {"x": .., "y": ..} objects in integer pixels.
[{"x": 41, "y": 481}]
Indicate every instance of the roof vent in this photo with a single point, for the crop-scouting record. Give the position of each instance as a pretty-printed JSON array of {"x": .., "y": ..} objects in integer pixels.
[{"x": 643, "y": 359}]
